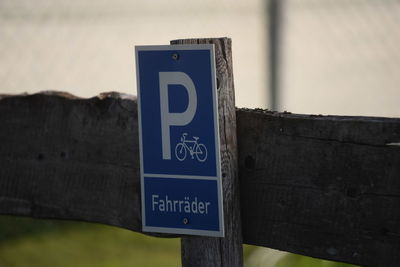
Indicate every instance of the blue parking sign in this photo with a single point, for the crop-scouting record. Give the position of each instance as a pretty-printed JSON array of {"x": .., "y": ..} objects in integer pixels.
[{"x": 179, "y": 140}]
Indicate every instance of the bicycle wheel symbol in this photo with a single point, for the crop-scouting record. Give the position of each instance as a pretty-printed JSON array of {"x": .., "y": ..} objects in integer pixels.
[
  {"x": 180, "y": 152},
  {"x": 201, "y": 153}
]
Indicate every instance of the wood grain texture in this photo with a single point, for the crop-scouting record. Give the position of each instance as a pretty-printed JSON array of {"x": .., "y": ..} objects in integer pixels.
[
  {"x": 322, "y": 186},
  {"x": 327, "y": 187},
  {"x": 227, "y": 251},
  {"x": 68, "y": 158}
]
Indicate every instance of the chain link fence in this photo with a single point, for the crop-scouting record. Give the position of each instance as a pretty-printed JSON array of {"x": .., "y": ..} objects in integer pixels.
[
  {"x": 87, "y": 47},
  {"x": 341, "y": 57},
  {"x": 337, "y": 56}
]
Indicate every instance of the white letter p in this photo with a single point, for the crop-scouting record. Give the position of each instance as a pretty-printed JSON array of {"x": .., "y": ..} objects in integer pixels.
[{"x": 175, "y": 119}]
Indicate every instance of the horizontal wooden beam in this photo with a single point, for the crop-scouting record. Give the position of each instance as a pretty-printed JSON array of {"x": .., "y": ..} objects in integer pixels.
[
  {"x": 322, "y": 186},
  {"x": 68, "y": 158}
]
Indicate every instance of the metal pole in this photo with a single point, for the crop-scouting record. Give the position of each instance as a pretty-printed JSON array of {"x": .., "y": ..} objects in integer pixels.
[{"x": 274, "y": 9}]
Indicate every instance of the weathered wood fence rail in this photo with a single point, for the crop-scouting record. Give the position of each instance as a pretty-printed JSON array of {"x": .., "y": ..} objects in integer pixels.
[{"x": 322, "y": 186}]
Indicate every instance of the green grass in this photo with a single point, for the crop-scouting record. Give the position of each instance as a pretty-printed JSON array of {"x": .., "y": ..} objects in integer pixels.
[
  {"x": 30, "y": 242},
  {"x": 84, "y": 244},
  {"x": 247, "y": 250}
]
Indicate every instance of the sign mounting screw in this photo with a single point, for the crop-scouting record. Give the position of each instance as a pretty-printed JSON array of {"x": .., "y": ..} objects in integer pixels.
[{"x": 175, "y": 56}]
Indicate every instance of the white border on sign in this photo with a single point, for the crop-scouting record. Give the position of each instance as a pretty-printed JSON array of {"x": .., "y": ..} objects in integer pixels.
[
  {"x": 185, "y": 231},
  {"x": 155, "y": 175}
]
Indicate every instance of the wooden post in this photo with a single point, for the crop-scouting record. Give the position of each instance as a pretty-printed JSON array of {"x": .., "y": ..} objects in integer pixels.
[{"x": 227, "y": 251}]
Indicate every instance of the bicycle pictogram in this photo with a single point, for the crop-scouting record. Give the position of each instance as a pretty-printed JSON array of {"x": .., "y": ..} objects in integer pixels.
[{"x": 193, "y": 147}]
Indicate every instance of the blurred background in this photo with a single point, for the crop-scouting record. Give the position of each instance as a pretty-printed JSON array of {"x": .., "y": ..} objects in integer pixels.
[{"x": 304, "y": 56}]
